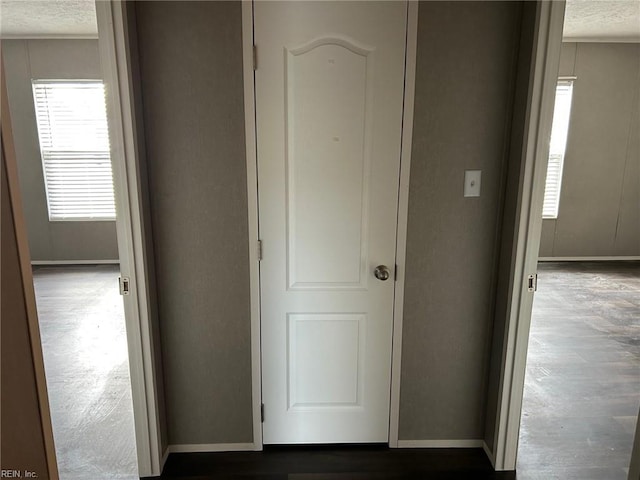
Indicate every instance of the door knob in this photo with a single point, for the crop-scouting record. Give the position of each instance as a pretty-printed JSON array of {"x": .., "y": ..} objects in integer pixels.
[{"x": 382, "y": 272}]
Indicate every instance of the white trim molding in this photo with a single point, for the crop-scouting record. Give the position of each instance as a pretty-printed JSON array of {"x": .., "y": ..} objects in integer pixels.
[
  {"x": 402, "y": 221},
  {"x": 590, "y": 259},
  {"x": 440, "y": 443},
  {"x": 211, "y": 447},
  {"x": 113, "y": 45},
  {"x": 488, "y": 453},
  {"x": 252, "y": 205},
  {"x": 62, "y": 36},
  {"x": 165, "y": 457},
  {"x": 602, "y": 39},
  {"x": 74, "y": 262},
  {"x": 526, "y": 236}
]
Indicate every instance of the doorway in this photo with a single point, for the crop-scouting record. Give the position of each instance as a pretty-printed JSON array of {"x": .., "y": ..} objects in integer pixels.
[
  {"x": 58, "y": 108},
  {"x": 328, "y": 133},
  {"x": 581, "y": 389}
]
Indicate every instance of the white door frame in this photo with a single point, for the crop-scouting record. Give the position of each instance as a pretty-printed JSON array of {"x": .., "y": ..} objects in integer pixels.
[
  {"x": 403, "y": 216},
  {"x": 115, "y": 59},
  {"x": 254, "y": 233},
  {"x": 252, "y": 205},
  {"x": 526, "y": 236}
]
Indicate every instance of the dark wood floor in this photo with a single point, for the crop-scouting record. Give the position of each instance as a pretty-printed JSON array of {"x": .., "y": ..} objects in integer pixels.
[
  {"x": 582, "y": 389},
  {"x": 581, "y": 397},
  {"x": 330, "y": 463}
]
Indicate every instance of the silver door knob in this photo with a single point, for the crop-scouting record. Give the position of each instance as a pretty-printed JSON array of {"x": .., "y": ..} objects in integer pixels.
[{"x": 382, "y": 272}]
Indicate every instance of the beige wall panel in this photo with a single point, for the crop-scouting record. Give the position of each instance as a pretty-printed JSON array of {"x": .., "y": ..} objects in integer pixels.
[
  {"x": 567, "y": 60},
  {"x": 596, "y": 216},
  {"x": 50, "y": 59},
  {"x": 628, "y": 231},
  {"x": 547, "y": 237}
]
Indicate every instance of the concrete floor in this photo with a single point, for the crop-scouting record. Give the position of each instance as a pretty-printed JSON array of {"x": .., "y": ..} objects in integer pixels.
[
  {"x": 582, "y": 387},
  {"x": 86, "y": 361}
]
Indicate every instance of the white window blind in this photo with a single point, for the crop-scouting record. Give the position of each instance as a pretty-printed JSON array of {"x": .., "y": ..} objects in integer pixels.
[
  {"x": 557, "y": 148},
  {"x": 74, "y": 144}
]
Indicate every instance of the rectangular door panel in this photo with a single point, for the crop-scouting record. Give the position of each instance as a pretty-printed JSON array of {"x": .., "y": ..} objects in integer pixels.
[
  {"x": 325, "y": 360},
  {"x": 329, "y": 143}
]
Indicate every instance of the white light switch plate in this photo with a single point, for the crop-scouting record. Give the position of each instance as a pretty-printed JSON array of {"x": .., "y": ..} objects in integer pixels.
[{"x": 472, "y": 180}]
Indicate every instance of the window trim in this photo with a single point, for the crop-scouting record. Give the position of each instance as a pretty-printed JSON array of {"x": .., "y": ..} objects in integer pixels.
[
  {"x": 56, "y": 218},
  {"x": 562, "y": 82}
]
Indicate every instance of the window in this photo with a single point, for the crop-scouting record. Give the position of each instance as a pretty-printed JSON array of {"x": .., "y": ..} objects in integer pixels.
[
  {"x": 74, "y": 144},
  {"x": 557, "y": 147}
]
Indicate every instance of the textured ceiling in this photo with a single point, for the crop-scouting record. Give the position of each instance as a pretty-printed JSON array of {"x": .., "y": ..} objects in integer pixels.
[
  {"x": 48, "y": 18},
  {"x": 602, "y": 20}
]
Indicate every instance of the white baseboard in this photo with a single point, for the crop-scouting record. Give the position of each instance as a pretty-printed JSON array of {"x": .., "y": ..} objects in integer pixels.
[
  {"x": 489, "y": 454},
  {"x": 211, "y": 447},
  {"x": 440, "y": 443},
  {"x": 164, "y": 459},
  {"x": 74, "y": 262},
  {"x": 588, "y": 259},
  {"x": 245, "y": 447}
]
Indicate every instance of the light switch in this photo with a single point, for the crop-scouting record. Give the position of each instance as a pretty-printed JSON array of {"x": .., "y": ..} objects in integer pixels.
[{"x": 472, "y": 180}]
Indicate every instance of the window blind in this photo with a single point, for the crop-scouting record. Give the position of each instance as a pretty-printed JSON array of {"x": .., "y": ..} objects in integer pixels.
[
  {"x": 74, "y": 144},
  {"x": 557, "y": 148}
]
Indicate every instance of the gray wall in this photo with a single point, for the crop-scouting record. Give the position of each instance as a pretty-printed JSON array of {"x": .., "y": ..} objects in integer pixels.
[
  {"x": 599, "y": 212},
  {"x": 191, "y": 72},
  {"x": 25, "y": 60},
  {"x": 192, "y": 95},
  {"x": 464, "y": 88}
]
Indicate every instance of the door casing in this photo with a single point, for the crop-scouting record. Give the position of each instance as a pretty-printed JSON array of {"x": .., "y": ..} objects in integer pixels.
[
  {"x": 254, "y": 234},
  {"x": 527, "y": 231},
  {"x": 115, "y": 60}
]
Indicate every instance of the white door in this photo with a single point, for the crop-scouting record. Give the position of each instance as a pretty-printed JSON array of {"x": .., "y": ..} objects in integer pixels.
[{"x": 329, "y": 99}]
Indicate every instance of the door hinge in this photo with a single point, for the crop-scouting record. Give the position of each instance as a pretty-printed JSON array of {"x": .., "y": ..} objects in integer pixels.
[
  {"x": 125, "y": 285},
  {"x": 259, "y": 250},
  {"x": 255, "y": 57},
  {"x": 532, "y": 285},
  {"x": 262, "y": 412}
]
